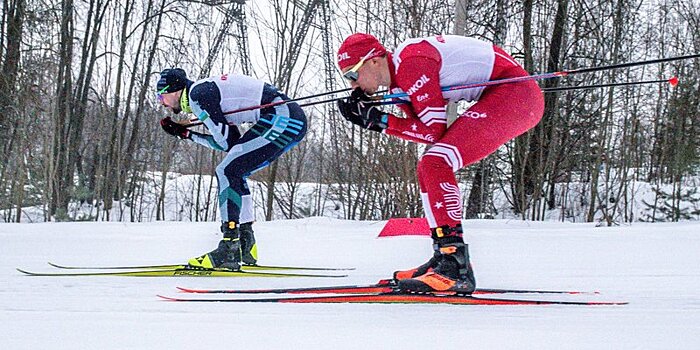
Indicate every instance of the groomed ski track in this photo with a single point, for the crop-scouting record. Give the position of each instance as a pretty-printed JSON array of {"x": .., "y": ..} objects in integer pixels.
[{"x": 653, "y": 267}]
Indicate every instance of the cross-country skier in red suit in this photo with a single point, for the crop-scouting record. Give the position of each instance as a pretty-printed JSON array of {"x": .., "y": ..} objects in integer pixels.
[{"x": 420, "y": 67}]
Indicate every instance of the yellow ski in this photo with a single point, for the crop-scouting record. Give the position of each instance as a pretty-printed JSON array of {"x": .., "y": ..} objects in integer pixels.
[{"x": 177, "y": 272}]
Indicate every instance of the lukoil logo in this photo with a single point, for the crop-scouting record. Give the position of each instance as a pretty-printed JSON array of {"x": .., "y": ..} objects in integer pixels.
[
  {"x": 343, "y": 56},
  {"x": 418, "y": 84}
]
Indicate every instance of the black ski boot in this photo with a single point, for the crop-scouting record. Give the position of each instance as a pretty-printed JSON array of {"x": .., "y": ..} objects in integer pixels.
[
  {"x": 227, "y": 255},
  {"x": 249, "y": 249},
  {"x": 453, "y": 272}
]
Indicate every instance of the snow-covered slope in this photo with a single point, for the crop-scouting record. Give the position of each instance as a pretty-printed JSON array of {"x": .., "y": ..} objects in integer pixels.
[{"x": 654, "y": 267}]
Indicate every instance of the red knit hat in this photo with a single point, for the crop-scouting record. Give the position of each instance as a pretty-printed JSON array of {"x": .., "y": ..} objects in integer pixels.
[{"x": 357, "y": 46}]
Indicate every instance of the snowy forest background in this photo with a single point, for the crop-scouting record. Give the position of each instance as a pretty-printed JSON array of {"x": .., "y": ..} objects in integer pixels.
[{"x": 80, "y": 139}]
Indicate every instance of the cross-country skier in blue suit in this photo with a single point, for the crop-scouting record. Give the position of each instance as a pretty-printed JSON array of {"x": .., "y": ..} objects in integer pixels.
[{"x": 275, "y": 131}]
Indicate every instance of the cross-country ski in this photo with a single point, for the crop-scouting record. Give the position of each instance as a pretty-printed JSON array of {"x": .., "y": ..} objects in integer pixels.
[
  {"x": 393, "y": 298},
  {"x": 383, "y": 286},
  {"x": 182, "y": 266},
  {"x": 178, "y": 272}
]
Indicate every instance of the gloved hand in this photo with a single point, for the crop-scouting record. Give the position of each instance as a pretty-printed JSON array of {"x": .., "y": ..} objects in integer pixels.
[
  {"x": 358, "y": 110},
  {"x": 174, "y": 128}
]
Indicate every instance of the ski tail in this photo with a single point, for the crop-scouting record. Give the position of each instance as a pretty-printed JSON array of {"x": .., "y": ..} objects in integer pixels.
[
  {"x": 117, "y": 267},
  {"x": 530, "y": 291},
  {"x": 383, "y": 286}
]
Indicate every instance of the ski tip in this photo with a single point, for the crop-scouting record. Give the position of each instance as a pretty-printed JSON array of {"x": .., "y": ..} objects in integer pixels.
[
  {"x": 58, "y": 266},
  {"x": 189, "y": 290},
  {"x": 166, "y": 298},
  {"x": 29, "y": 273}
]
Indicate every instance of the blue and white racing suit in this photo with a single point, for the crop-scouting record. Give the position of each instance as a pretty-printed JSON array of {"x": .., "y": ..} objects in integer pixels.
[{"x": 276, "y": 130}]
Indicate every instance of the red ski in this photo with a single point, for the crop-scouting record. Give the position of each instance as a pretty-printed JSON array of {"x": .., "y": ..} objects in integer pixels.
[
  {"x": 392, "y": 298},
  {"x": 383, "y": 286}
]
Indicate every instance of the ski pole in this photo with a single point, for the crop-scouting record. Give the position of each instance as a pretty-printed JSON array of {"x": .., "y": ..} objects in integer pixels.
[
  {"x": 550, "y": 75},
  {"x": 273, "y": 104},
  {"x": 672, "y": 81},
  {"x": 340, "y": 98}
]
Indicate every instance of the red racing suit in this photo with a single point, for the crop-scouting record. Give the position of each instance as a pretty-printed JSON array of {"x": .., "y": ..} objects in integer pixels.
[{"x": 420, "y": 67}]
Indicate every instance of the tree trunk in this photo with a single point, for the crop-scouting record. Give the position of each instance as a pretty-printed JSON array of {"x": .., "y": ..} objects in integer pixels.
[
  {"x": 10, "y": 68},
  {"x": 522, "y": 143},
  {"x": 538, "y": 162},
  {"x": 135, "y": 134},
  {"x": 61, "y": 180}
]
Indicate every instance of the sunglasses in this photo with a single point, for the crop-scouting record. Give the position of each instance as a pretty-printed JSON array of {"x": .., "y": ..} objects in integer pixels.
[
  {"x": 352, "y": 74},
  {"x": 160, "y": 92}
]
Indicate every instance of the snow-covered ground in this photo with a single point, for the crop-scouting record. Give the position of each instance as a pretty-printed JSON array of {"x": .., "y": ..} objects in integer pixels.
[{"x": 656, "y": 267}]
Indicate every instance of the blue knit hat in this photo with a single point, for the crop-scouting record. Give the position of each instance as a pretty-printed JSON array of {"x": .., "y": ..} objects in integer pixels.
[{"x": 171, "y": 80}]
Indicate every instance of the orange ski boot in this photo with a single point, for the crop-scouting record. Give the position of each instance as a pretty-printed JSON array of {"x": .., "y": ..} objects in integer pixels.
[{"x": 453, "y": 273}]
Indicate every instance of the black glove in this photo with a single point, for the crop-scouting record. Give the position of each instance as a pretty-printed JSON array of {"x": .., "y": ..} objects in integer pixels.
[
  {"x": 357, "y": 109},
  {"x": 175, "y": 129}
]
